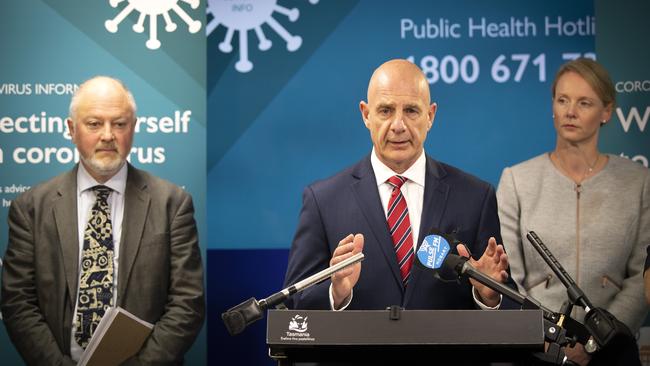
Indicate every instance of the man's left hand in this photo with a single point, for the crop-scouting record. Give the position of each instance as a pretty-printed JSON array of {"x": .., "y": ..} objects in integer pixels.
[{"x": 494, "y": 263}]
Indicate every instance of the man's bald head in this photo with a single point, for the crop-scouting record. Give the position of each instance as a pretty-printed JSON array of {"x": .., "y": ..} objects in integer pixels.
[
  {"x": 100, "y": 85},
  {"x": 398, "y": 113},
  {"x": 402, "y": 74}
]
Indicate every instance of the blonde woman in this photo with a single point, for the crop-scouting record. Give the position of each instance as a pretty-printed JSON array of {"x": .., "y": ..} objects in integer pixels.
[{"x": 590, "y": 208}]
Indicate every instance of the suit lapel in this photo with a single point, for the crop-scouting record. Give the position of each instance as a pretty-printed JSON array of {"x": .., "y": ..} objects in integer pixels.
[
  {"x": 367, "y": 196},
  {"x": 136, "y": 208},
  {"x": 433, "y": 207},
  {"x": 67, "y": 227}
]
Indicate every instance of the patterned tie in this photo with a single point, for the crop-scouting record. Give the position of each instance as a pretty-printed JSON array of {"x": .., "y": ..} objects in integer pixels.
[
  {"x": 96, "y": 283},
  {"x": 400, "y": 227}
]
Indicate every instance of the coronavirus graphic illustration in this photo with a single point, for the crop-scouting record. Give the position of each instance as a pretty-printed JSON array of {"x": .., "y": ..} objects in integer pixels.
[
  {"x": 245, "y": 15},
  {"x": 154, "y": 8}
]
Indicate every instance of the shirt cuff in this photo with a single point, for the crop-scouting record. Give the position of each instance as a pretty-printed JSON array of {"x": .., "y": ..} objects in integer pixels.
[
  {"x": 476, "y": 300},
  {"x": 345, "y": 303}
]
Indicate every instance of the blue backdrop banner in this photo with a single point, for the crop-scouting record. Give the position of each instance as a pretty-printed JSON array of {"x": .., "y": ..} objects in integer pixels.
[
  {"x": 627, "y": 133},
  {"x": 291, "y": 116},
  {"x": 285, "y": 79},
  {"x": 628, "y": 64},
  {"x": 49, "y": 47}
]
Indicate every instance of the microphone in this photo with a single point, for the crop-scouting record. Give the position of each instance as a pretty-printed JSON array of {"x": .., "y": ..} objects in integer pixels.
[
  {"x": 602, "y": 325},
  {"x": 434, "y": 254},
  {"x": 240, "y": 316}
]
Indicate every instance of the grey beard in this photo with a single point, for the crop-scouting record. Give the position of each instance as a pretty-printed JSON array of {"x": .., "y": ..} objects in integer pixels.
[{"x": 101, "y": 168}]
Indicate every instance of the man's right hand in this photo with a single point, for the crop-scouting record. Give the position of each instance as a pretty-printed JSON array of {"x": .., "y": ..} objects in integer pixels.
[
  {"x": 577, "y": 354},
  {"x": 344, "y": 280}
]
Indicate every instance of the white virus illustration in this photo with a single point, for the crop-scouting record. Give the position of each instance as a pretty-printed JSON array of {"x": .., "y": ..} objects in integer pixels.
[
  {"x": 244, "y": 15},
  {"x": 153, "y": 8}
]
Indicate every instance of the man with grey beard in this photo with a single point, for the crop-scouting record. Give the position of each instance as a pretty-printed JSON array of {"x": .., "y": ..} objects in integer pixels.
[{"x": 104, "y": 234}]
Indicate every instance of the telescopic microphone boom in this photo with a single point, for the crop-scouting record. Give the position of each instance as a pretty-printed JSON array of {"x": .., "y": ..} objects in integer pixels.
[
  {"x": 575, "y": 293},
  {"x": 240, "y": 316}
]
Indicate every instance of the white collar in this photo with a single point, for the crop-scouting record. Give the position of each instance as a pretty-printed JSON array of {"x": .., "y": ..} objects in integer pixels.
[
  {"x": 117, "y": 182},
  {"x": 415, "y": 173}
]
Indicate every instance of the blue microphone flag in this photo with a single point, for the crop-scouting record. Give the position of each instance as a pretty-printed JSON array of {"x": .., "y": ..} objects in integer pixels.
[{"x": 433, "y": 251}]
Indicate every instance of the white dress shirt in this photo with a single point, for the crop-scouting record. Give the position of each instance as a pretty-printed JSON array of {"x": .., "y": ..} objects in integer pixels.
[
  {"x": 85, "y": 201},
  {"x": 413, "y": 192},
  {"x": 412, "y": 189}
]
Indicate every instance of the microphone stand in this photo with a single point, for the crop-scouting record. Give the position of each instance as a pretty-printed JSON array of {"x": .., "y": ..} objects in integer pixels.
[
  {"x": 237, "y": 318},
  {"x": 556, "y": 326},
  {"x": 602, "y": 325}
]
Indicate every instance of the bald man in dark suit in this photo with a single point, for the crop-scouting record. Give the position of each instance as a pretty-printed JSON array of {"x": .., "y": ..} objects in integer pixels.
[{"x": 352, "y": 212}]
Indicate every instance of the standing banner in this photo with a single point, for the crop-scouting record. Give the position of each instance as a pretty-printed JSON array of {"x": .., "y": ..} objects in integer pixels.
[
  {"x": 49, "y": 47},
  {"x": 285, "y": 79},
  {"x": 621, "y": 44}
]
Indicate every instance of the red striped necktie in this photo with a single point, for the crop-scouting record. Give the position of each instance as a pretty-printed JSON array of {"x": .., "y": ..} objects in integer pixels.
[{"x": 399, "y": 225}]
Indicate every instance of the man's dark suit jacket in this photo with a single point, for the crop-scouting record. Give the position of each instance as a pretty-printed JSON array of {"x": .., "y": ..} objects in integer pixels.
[
  {"x": 349, "y": 203},
  {"x": 160, "y": 272}
]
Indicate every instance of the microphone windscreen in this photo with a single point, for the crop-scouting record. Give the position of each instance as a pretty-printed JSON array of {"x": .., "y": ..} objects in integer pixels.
[
  {"x": 239, "y": 317},
  {"x": 454, "y": 263},
  {"x": 234, "y": 321}
]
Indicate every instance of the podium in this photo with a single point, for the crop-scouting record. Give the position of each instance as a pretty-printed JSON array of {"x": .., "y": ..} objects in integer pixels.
[{"x": 406, "y": 336}]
